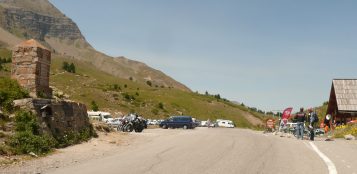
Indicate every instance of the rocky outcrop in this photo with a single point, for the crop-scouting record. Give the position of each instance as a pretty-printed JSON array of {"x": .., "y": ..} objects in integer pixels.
[{"x": 29, "y": 24}]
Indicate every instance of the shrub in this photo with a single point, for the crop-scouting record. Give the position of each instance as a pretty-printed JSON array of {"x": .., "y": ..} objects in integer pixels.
[
  {"x": 341, "y": 131},
  {"x": 10, "y": 90},
  {"x": 69, "y": 67},
  {"x": 26, "y": 142},
  {"x": 160, "y": 105},
  {"x": 94, "y": 106},
  {"x": 28, "y": 137},
  {"x": 149, "y": 83}
]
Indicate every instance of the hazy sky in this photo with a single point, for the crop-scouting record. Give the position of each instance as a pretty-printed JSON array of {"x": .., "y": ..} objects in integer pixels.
[{"x": 268, "y": 54}]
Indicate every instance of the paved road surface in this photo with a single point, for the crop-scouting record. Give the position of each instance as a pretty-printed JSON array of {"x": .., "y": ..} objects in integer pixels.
[{"x": 227, "y": 151}]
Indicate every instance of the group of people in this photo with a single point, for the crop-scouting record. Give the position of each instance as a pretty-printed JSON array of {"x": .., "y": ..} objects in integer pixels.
[{"x": 312, "y": 119}]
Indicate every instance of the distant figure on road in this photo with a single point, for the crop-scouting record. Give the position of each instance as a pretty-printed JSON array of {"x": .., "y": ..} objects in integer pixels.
[
  {"x": 313, "y": 119},
  {"x": 327, "y": 123},
  {"x": 300, "y": 120},
  {"x": 208, "y": 123}
]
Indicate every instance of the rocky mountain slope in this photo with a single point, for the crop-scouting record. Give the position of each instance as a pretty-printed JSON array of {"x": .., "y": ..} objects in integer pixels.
[{"x": 39, "y": 19}]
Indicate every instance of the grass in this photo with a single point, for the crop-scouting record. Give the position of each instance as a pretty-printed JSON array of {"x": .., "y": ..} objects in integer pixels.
[
  {"x": 110, "y": 93},
  {"x": 115, "y": 94}
]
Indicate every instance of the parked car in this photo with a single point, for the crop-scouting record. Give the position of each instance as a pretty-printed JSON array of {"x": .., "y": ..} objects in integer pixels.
[
  {"x": 184, "y": 122},
  {"x": 225, "y": 123},
  {"x": 99, "y": 115}
]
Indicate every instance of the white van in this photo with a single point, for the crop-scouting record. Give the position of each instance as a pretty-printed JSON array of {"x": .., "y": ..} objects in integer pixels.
[
  {"x": 225, "y": 123},
  {"x": 99, "y": 115}
]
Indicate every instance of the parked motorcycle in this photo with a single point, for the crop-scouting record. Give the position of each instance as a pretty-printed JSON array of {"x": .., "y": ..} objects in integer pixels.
[{"x": 132, "y": 122}]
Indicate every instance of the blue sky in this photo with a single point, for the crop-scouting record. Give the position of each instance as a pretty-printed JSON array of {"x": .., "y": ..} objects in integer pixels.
[{"x": 267, "y": 54}]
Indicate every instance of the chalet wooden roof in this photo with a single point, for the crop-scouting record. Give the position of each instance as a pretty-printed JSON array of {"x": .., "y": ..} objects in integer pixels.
[{"x": 346, "y": 94}]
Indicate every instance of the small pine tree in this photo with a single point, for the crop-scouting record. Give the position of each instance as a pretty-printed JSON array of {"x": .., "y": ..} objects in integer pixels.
[
  {"x": 94, "y": 106},
  {"x": 161, "y": 105},
  {"x": 149, "y": 83},
  {"x": 65, "y": 66},
  {"x": 72, "y": 68}
]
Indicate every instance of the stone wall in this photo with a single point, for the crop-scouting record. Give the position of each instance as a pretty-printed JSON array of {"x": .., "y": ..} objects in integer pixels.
[
  {"x": 31, "y": 68},
  {"x": 57, "y": 117}
]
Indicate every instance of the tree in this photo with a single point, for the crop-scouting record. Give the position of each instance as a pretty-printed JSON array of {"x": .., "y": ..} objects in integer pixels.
[
  {"x": 131, "y": 78},
  {"x": 116, "y": 86},
  {"x": 149, "y": 83},
  {"x": 160, "y": 105},
  {"x": 65, "y": 66},
  {"x": 217, "y": 96},
  {"x": 94, "y": 106},
  {"x": 72, "y": 68},
  {"x": 206, "y": 93}
]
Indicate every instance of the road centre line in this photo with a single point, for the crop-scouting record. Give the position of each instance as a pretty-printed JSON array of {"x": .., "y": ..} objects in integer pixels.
[{"x": 331, "y": 167}]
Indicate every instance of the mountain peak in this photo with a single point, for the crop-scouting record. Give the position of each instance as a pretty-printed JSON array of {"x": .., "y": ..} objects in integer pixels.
[
  {"x": 40, "y": 20},
  {"x": 43, "y": 7}
]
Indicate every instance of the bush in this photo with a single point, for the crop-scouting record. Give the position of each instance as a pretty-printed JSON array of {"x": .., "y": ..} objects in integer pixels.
[
  {"x": 10, "y": 90},
  {"x": 26, "y": 142},
  {"x": 94, "y": 106},
  {"x": 69, "y": 67},
  {"x": 160, "y": 105},
  {"x": 28, "y": 137},
  {"x": 341, "y": 131},
  {"x": 149, "y": 83}
]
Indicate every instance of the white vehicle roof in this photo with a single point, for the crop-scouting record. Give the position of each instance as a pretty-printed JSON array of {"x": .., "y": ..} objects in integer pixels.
[
  {"x": 97, "y": 113},
  {"x": 220, "y": 120}
]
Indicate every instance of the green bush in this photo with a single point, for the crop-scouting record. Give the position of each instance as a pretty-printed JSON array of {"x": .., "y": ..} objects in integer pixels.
[
  {"x": 10, "y": 90},
  {"x": 94, "y": 106},
  {"x": 71, "y": 68},
  {"x": 26, "y": 142},
  {"x": 73, "y": 137},
  {"x": 28, "y": 137}
]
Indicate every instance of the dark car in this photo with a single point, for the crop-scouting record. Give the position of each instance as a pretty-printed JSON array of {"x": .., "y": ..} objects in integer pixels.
[{"x": 178, "y": 122}]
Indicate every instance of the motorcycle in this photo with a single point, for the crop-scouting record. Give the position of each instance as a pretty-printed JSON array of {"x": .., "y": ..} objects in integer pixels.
[{"x": 132, "y": 122}]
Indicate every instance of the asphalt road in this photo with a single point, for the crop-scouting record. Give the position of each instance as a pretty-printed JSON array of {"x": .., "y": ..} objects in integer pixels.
[{"x": 215, "y": 151}]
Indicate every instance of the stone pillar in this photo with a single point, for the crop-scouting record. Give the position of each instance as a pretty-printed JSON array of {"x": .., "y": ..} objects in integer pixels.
[{"x": 31, "y": 68}]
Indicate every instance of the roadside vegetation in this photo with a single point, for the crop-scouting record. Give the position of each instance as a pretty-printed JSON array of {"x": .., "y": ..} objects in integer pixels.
[
  {"x": 10, "y": 90},
  {"x": 29, "y": 138},
  {"x": 113, "y": 94},
  {"x": 341, "y": 131}
]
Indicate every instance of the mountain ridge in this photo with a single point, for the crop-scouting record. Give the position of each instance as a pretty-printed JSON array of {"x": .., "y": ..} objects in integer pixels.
[{"x": 39, "y": 19}]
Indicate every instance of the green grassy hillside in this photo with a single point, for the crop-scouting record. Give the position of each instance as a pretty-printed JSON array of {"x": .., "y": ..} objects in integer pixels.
[{"x": 125, "y": 95}]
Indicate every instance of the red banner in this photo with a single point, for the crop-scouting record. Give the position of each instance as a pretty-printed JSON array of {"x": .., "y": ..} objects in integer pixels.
[{"x": 287, "y": 113}]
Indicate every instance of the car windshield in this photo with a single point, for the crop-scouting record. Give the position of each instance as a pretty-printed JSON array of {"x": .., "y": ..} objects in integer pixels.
[{"x": 107, "y": 116}]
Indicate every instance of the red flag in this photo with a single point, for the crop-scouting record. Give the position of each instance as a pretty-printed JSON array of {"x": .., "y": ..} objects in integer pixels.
[{"x": 287, "y": 113}]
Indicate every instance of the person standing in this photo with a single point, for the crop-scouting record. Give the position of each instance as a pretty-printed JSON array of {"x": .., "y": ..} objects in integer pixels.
[
  {"x": 313, "y": 119},
  {"x": 300, "y": 120}
]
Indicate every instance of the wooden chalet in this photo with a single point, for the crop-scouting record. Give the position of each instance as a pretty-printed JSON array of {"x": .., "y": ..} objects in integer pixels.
[{"x": 343, "y": 100}]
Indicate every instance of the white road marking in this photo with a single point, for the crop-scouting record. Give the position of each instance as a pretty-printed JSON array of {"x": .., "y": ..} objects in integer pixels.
[{"x": 331, "y": 167}]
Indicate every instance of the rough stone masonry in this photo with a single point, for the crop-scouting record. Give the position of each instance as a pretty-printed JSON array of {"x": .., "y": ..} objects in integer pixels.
[{"x": 31, "y": 68}]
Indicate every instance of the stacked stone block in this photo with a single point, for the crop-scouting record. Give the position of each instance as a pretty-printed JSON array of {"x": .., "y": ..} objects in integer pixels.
[{"x": 31, "y": 68}]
